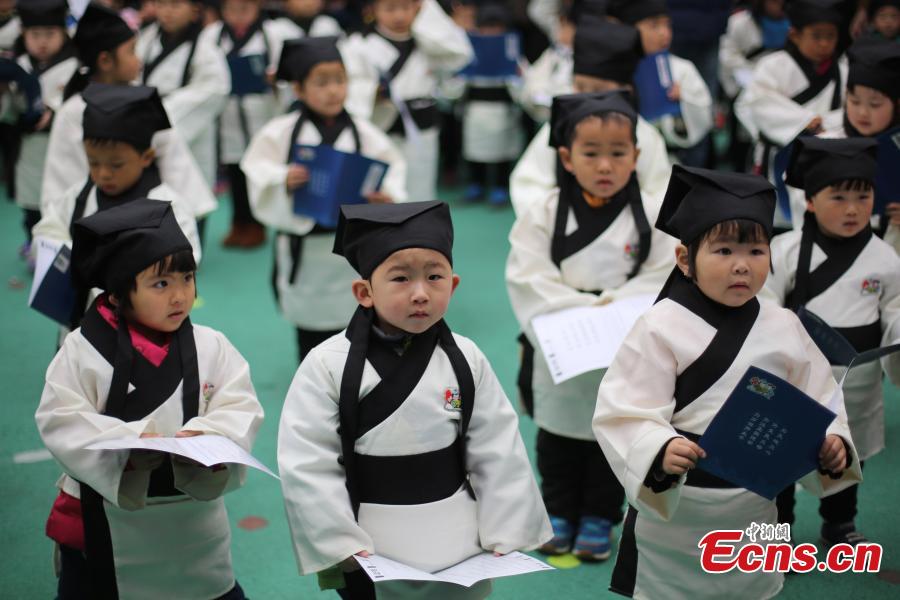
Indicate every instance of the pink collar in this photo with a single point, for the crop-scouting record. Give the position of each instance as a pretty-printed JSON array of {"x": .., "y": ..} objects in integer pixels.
[{"x": 153, "y": 352}]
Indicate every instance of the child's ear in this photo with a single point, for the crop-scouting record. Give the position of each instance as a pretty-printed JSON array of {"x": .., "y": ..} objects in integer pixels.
[
  {"x": 793, "y": 34},
  {"x": 565, "y": 156},
  {"x": 681, "y": 259},
  {"x": 298, "y": 90},
  {"x": 113, "y": 301},
  {"x": 148, "y": 157},
  {"x": 637, "y": 153},
  {"x": 454, "y": 281},
  {"x": 362, "y": 291},
  {"x": 105, "y": 62}
]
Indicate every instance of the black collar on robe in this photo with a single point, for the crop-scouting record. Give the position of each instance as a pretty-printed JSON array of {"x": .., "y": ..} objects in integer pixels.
[
  {"x": 65, "y": 53},
  {"x": 399, "y": 376},
  {"x": 304, "y": 23},
  {"x": 405, "y": 48},
  {"x": 149, "y": 180},
  {"x": 733, "y": 325},
  {"x": 817, "y": 82},
  {"x": 238, "y": 43},
  {"x": 172, "y": 43}
]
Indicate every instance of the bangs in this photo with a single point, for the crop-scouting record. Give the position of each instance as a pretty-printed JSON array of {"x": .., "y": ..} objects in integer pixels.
[
  {"x": 604, "y": 117},
  {"x": 180, "y": 262},
  {"x": 742, "y": 231},
  {"x": 853, "y": 185}
]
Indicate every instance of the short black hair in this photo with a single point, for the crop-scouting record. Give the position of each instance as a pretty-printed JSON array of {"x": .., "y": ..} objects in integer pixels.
[
  {"x": 614, "y": 116},
  {"x": 742, "y": 231},
  {"x": 101, "y": 142},
  {"x": 179, "y": 262}
]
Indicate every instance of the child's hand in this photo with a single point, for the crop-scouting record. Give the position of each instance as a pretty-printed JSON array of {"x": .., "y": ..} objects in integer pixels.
[
  {"x": 833, "y": 455},
  {"x": 145, "y": 460},
  {"x": 815, "y": 126},
  {"x": 378, "y": 198},
  {"x": 188, "y": 433},
  {"x": 674, "y": 92},
  {"x": 681, "y": 456},
  {"x": 893, "y": 211},
  {"x": 44, "y": 122},
  {"x": 297, "y": 175},
  {"x": 350, "y": 564}
]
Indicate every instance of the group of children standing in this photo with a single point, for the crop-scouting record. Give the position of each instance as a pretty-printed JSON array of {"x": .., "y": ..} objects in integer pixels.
[{"x": 368, "y": 459}]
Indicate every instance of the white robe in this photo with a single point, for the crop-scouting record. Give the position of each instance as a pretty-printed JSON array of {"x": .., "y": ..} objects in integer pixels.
[
  {"x": 634, "y": 418},
  {"x": 33, "y": 152},
  {"x": 323, "y": 26},
  {"x": 320, "y": 298},
  {"x": 536, "y": 286},
  {"x": 550, "y": 75},
  {"x": 195, "y": 107},
  {"x": 846, "y": 304},
  {"x": 508, "y": 514},
  {"x": 695, "y": 103},
  {"x": 9, "y": 33},
  {"x": 149, "y": 533},
  {"x": 741, "y": 38},
  {"x": 535, "y": 174},
  {"x": 67, "y": 164},
  {"x": 492, "y": 132}
]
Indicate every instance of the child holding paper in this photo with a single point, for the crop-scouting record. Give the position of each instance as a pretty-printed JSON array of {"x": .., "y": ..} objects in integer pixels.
[
  {"x": 838, "y": 269},
  {"x": 310, "y": 283},
  {"x": 137, "y": 367},
  {"x": 675, "y": 370},
  {"x": 396, "y": 437},
  {"x": 588, "y": 244}
]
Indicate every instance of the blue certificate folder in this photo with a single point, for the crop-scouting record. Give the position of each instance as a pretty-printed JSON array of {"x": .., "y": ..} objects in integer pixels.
[
  {"x": 55, "y": 296},
  {"x": 836, "y": 348},
  {"x": 28, "y": 85},
  {"x": 653, "y": 79},
  {"x": 335, "y": 178},
  {"x": 496, "y": 56},
  {"x": 766, "y": 436},
  {"x": 887, "y": 177},
  {"x": 248, "y": 74}
]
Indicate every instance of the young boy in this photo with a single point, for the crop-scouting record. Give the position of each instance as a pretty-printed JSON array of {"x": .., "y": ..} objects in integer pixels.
[
  {"x": 310, "y": 18},
  {"x": 587, "y": 244},
  {"x": 884, "y": 19},
  {"x": 795, "y": 90},
  {"x": 142, "y": 524},
  {"x": 244, "y": 34},
  {"x": 605, "y": 57},
  {"x": 687, "y": 134},
  {"x": 310, "y": 283},
  {"x": 839, "y": 270},
  {"x": 674, "y": 371},
  {"x": 551, "y": 73},
  {"x": 393, "y": 71},
  {"x": 182, "y": 60},
  {"x": 376, "y": 464},
  {"x": 49, "y": 56}
]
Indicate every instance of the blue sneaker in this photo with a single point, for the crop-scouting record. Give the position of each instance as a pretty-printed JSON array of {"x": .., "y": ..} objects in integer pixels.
[
  {"x": 593, "y": 540},
  {"x": 561, "y": 542},
  {"x": 473, "y": 193},
  {"x": 498, "y": 197}
]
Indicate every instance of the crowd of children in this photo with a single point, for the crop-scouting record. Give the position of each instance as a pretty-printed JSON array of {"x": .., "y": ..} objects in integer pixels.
[{"x": 121, "y": 121}]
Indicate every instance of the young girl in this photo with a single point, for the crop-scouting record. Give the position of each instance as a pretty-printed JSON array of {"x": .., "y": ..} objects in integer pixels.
[
  {"x": 884, "y": 19},
  {"x": 674, "y": 371},
  {"x": 137, "y": 367},
  {"x": 310, "y": 18},
  {"x": 588, "y": 244},
  {"x": 310, "y": 283}
]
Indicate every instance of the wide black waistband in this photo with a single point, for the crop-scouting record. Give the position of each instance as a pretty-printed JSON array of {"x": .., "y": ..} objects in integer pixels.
[
  {"x": 411, "y": 479},
  {"x": 489, "y": 94},
  {"x": 864, "y": 337},
  {"x": 697, "y": 477}
]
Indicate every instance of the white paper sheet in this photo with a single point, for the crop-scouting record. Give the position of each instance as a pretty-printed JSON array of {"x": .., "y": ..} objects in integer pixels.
[
  {"x": 578, "y": 340},
  {"x": 47, "y": 250},
  {"x": 207, "y": 450},
  {"x": 467, "y": 573}
]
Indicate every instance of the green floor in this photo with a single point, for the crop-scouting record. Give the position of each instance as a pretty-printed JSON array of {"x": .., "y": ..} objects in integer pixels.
[{"x": 237, "y": 300}]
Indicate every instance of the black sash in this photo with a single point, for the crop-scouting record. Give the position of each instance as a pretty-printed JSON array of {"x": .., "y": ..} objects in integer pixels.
[
  {"x": 404, "y": 50},
  {"x": 304, "y": 23},
  {"x": 238, "y": 43},
  {"x": 169, "y": 46},
  {"x": 438, "y": 474},
  {"x": 817, "y": 82},
  {"x": 733, "y": 325},
  {"x": 153, "y": 386},
  {"x": 65, "y": 53}
]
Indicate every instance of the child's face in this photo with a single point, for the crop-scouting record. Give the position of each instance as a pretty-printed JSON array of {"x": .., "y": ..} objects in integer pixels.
[
  {"x": 887, "y": 21},
  {"x": 116, "y": 166},
  {"x": 565, "y": 33},
  {"x": 841, "y": 213},
  {"x": 656, "y": 33},
  {"x": 588, "y": 84},
  {"x": 602, "y": 156},
  {"x": 240, "y": 14},
  {"x": 324, "y": 89},
  {"x": 491, "y": 30},
  {"x": 42, "y": 43},
  {"x": 410, "y": 291},
  {"x": 175, "y": 15},
  {"x": 162, "y": 302},
  {"x": 121, "y": 66},
  {"x": 727, "y": 271},
  {"x": 774, "y": 9},
  {"x": 815, "y": 42},
  {"x": 396, "y": 16},
  {"x": 6, "y": 7},
  {"x": 303, "y": 8},
  {"x": 868, "y": 110}
]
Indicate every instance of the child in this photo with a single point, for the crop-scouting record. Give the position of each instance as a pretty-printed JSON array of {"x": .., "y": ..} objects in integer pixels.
[
  {"x": 310, "y": 18},
  {"x": 687, "y": 134},
  {"x": 245, "y": 34},
  {"x": 182, "y": 60},
  {"x": 310, "y": 283},
  {"x": 393, "y": 71},
  {"x": 50, "y": 57},
  {"x": 795, "y": 90},
  {"x": 605, "y": 57},
  {"x": 428, "y": 483},
  {"x": 752, "y": 33},
  {"x": 674, "y": 371},
  {"x": 587, "y": 244},
  {"x": 125, "y": 518},
  {"x": 843, "y": 273},
  {"x": 105, "y": 46},
  {"x": 884, "y": 17},
  {"x": 551, "y": 73}
]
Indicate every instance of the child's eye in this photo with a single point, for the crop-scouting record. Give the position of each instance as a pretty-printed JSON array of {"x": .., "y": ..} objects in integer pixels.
[
  {"x": 189, "y": 277},
  {"x": 723, "y": 251},
  {"x": 757, "y": 252},
  {"x": 161, "y": 284},
  {"x": 435, "y": 277},
  {"x": 618, "y": 154},
  {"x": 399, "y": 278}
]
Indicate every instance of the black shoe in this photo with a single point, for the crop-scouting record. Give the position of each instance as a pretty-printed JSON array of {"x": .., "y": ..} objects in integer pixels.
[{"x": 842, "y": 533}]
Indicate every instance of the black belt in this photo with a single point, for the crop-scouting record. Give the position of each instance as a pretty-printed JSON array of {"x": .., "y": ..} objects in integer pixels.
[
  {"x": 424, "y": 113},
  {"x": 864, "y": 337},
  {"x": 489, "y": 94},
  {"x": 697, "y": 477}
]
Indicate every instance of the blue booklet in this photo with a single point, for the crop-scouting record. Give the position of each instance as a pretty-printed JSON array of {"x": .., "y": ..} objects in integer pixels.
[
  {"x": 779, "y": 167},
  {"x": 887, "y": 177},
  {"x": 335, "y": 178},
  {"x": 28, "y": 85},
  {"x": 653, "y": 79},
  {"x": 52, "y": 293},
  {"x": 496, "y": 57},
  {"x": 836, "y": 348},
  {"x": 766, "y": 436},
  {"x": 248, "y": 74}
]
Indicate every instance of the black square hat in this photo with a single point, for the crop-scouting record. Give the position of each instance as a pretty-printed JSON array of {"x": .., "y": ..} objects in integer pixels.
[
  {"x": 817, "y": 163},
  {"x": 632, "y": 11},
  {"x": 875, "y": 63},
  {"x": 100, "y": 29},
  {"x": 299, "y": 56},
  {"x": 110, "y": 247},
  {"x": 808, "y": 12},
  {"x": 42, "y": 13},
  {"x": 570, "y": 109},
  {"x": 606, "y": 50},
  {"x": 126, "y": 113},
  {"x": 367, "y": 234},
  {"x": 698, "y": 199},
  {"x": 580, "y": 8}
]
